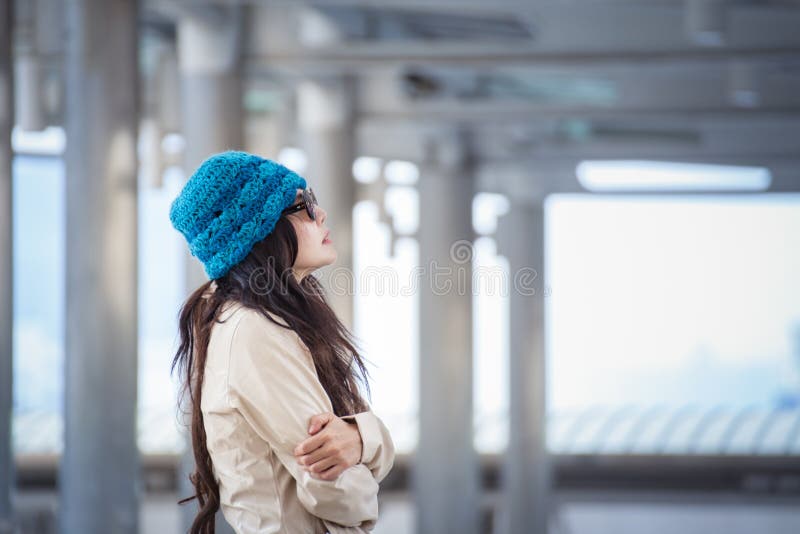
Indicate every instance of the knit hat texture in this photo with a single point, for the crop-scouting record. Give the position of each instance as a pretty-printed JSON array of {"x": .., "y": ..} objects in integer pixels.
[{"x": 231, "y": 202}]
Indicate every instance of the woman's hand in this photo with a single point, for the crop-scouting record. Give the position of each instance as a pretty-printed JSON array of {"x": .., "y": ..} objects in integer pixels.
[{"x": 334, "y": 446}]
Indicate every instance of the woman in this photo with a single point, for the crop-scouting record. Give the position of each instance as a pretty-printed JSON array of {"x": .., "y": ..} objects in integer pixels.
[{"x": 282, "y": 439}]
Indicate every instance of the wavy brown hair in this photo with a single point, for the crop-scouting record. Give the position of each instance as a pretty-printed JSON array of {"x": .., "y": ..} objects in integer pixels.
[{"x": 263, "y": 281}]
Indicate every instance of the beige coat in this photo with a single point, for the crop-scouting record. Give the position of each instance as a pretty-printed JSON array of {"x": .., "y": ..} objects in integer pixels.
[{"x": 259, "y": 392}]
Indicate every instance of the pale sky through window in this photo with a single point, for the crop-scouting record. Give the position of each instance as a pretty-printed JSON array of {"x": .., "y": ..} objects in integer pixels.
[
  {"x": 662, "y": 300},
  {"x": 673, "y": 299}
]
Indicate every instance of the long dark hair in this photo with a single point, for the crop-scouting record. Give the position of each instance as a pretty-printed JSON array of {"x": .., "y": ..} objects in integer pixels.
[{"x": 263, "y": 281}]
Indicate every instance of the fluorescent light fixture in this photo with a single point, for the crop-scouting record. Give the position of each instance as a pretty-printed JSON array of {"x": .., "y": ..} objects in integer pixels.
[
  {"x": 705, "y": 22},
  {"x": 744, "y": 81},
  {"x": 486, "y": 209},
  {"x": 294, "y": 159},
  {"x": 401, "y": 172},
  {"x": 708, "y": 38},
  {"x": 367, "y": 170},
  {"x": 173, "y": 143},
  {"x": 402, "y": 202},
  {"x": 641, "y": 175}
]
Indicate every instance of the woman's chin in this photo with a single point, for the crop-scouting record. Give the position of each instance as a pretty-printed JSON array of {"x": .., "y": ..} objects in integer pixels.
[{"x": 331, "y": 254}]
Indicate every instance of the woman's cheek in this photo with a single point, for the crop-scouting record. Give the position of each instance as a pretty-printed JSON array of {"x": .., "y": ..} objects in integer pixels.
[{"x": 306, "y": 244}]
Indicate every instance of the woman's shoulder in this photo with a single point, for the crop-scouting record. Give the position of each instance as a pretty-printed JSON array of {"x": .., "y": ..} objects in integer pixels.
[
  {"x": 249, "y": 331},
  {"x": 233, "y": 312},
  {"x": 237, "y": 317},
  {"x": 241, "y": 328}
]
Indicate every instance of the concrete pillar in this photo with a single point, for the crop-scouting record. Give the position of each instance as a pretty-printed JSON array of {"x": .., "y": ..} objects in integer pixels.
[
  {"x": 100, "y": 485},
  {"x": 7, "y": 475},
  {"x": 526, "y": 473},
  {"x": 29, "y": 72},
  {"x": 211, "y": 118},
  {"x": 271, "y": 128},
  {"x": 445, "y": 470},
  {"x": 327, "y": 135},
  {"x": 211, "y": 92}
]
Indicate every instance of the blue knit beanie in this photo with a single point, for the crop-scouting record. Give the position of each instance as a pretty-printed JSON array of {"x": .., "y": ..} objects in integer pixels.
[{"x": 231, "y": 202}]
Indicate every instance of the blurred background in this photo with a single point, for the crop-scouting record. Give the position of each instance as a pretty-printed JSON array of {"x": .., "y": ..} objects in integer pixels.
[{"x": 568, "y": 235}]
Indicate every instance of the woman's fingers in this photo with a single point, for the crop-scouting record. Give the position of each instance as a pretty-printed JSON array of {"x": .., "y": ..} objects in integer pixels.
[
  {"x": 310, "y": 459},
  {"x": 317, "y": 422},
  {"x": 332, "y": 473},
  {"x": 310, "y": 444},
  {"x": 332, "y": 449},
  {"x": 323, "y": 458},
  {"x": 324, "y": 464}
]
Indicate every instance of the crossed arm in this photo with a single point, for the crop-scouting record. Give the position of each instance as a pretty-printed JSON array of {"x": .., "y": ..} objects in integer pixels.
[
  {"x": 378, "y": 447},
  {"x": 273, "y": 383}
]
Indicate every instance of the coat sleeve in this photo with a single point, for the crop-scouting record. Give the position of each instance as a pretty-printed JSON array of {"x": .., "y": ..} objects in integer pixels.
[
  {"x": 378, "y": 448},
  {"x": 273, "y": 383}
]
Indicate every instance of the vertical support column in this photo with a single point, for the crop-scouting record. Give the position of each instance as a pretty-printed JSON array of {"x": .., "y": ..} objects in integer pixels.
[
  {"x": 211, "y": 93},
  {"x": 526, "y": 472},
  {"x": 327, "y": 133},
  {"x": 445, "y": 471},
  {"x": 272, "y": 127},
  {"x": 209, "y": 52},
  {"x": 7, "y": 475},
  {"x": 100, "y": 471}
]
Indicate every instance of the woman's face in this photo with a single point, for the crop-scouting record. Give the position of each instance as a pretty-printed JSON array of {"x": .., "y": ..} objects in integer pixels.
[{"x": 315, "y": 247}]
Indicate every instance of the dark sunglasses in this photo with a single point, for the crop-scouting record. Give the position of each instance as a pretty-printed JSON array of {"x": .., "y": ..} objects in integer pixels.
[{"x": 308, "y": 202}]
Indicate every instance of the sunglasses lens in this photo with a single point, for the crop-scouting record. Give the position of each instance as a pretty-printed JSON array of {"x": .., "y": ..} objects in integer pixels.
[{"x": 308, "y": 198}]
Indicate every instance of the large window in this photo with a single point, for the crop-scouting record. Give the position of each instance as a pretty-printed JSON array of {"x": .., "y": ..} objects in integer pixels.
[
  {"x": 38, "y": 227},
  {"x": 39, "y": 269},
  {"x": 674, "y": 324}
]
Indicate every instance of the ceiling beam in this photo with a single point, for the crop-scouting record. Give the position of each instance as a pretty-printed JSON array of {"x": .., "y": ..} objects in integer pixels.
[
  {"x": 533, "y": 179},
  {"x": 524, "y": 114},
  {"x": 559, "y": 32},
  {"x": 379, "y": 56}
]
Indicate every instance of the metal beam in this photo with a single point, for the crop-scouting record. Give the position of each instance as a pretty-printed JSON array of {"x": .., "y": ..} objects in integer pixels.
[
  {"x": 527, "y": 470},
  {"x": 532, "y": 179},
  {"x": 436, "y": 4},
  {"x": 100, "y": 472},
  {"x": 445, "y": 479},
  {"x": 7, "y": 471},
  {"x": 672, "y": 477},
  {"x": 560, "y": 32},
  {"x": 773, "y": 141},
  {"x": 302, "y": 63},
  {"x": 522, "y": 114},
  {"x": 529, "y": 94},
  {"x": 387, "y": 53}
]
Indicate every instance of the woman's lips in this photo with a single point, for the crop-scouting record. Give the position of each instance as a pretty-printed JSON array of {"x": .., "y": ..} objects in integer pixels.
[{"x": 326, "y": 240}]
